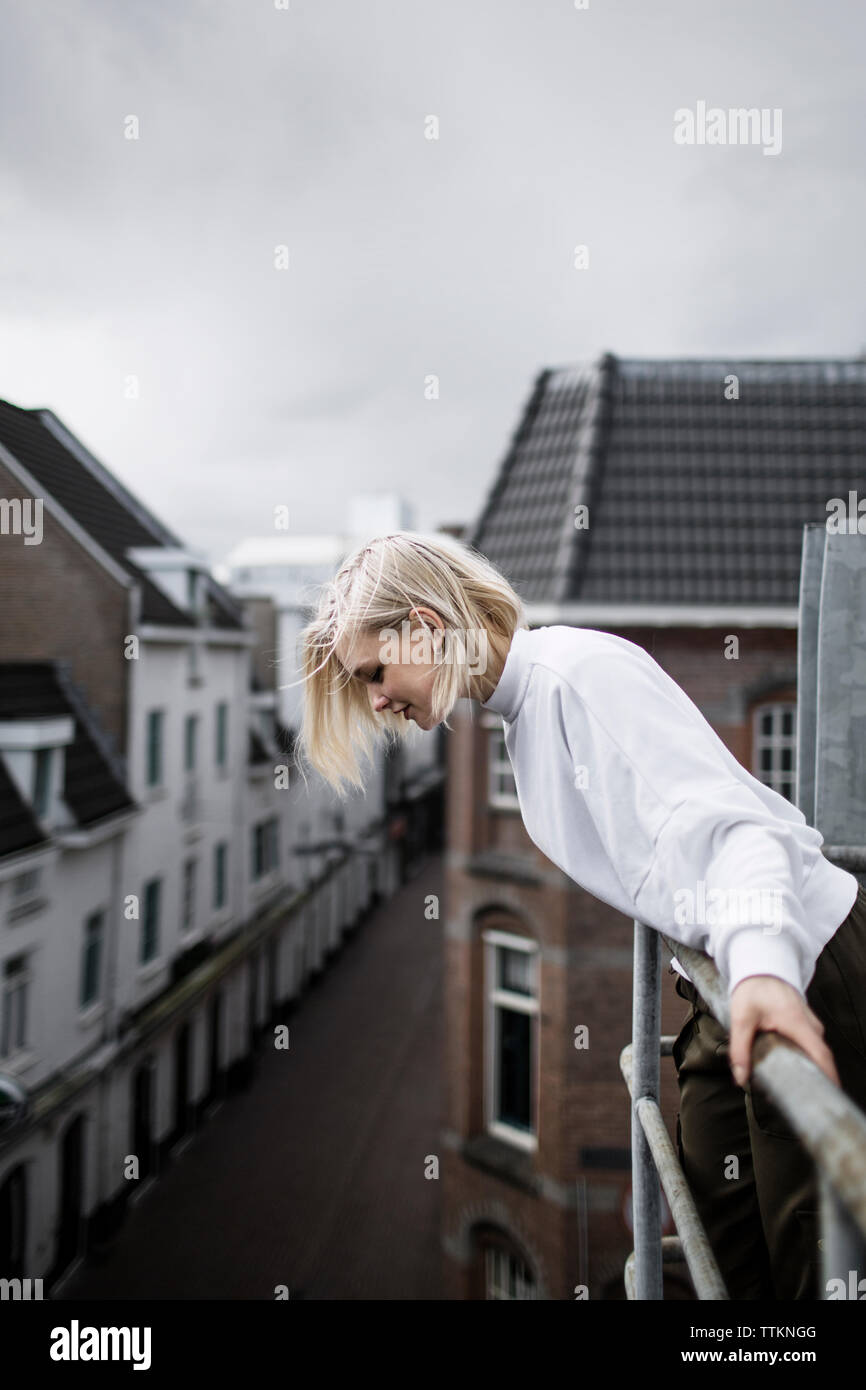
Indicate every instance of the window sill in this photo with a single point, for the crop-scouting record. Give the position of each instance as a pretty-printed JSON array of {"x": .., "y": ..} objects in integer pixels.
[
  {"x": 18, "y": 1062},
  {"x": 498, "y": 864},
  {"x": 21, "y": 910},
  {"x": 91, "y": 1014},
  {"x": 149, "y": 969},
  {"x": 265, "y": 883},
  {"x": 502, "y": 1160}
]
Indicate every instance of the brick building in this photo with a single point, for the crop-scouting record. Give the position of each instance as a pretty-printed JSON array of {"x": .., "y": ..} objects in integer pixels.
[{"x": 663, "y": 501}]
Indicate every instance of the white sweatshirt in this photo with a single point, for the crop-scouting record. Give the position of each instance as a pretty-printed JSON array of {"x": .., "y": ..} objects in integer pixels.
[{"x": 626, "y": 787}]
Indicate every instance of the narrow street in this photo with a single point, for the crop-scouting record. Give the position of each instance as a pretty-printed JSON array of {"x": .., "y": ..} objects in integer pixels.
[{"x": 314, "y": 1177}]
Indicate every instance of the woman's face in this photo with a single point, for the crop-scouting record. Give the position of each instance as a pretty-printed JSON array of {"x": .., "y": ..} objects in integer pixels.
[{"x": 403, "y": 686}]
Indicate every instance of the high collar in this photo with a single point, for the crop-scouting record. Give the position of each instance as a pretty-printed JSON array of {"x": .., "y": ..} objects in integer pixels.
[{"x": 508, "y": 695}]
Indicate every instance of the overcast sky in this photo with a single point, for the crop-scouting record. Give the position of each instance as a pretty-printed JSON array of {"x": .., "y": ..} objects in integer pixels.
[{"x": 260, "y": 127}]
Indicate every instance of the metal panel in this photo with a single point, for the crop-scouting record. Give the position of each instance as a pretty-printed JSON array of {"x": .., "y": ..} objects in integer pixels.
[
  {"x": 840, "y": 770},
  {"x": 811, "y": 570}
]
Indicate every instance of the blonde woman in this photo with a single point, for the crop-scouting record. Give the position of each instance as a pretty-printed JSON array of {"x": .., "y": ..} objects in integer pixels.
[{"x": 626, "y": 787}]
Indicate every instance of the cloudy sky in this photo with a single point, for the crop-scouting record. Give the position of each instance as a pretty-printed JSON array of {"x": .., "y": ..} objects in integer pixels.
[{"x": 142, "y": 293}]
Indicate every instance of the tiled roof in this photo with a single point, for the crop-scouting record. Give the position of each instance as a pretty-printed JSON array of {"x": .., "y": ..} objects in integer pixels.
[
  {"x": 92, "y": 788},
  {"x": 103, "y": 507},
  {"x": 692, "y": 497},
  {"x": 19, "y": 829}
]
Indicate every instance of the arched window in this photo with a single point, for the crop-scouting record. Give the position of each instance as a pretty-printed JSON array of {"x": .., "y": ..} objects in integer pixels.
[{"x": 503, "y": 1269}]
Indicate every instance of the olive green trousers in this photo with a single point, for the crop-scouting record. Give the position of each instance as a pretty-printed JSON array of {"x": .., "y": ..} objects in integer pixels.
[{"x": 761, "y": 1211}]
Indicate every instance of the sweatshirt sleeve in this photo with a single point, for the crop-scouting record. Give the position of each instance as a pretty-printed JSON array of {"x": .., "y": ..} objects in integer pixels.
[
  {"x": 732, "y": 873},
  {"x": 696, "y": 849}
]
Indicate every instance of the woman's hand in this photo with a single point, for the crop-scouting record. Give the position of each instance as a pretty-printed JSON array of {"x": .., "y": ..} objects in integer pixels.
[{"x": 764, "y": 1002}]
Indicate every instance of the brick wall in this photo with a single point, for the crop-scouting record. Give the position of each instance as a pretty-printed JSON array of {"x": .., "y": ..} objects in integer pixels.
[{"x": 57, "y": 602}]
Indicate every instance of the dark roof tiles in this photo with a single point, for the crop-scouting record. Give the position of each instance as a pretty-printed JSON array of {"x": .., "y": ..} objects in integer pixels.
[
  {"x": 691, "y": 497},
  {"x": 92, "y": 787},
  {"x": 103, "y": 507}
]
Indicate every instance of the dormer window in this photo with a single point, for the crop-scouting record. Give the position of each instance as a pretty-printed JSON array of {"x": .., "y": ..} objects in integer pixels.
[
  {"x": 34, "y": 753},
  {"x": 181, "y": 574},
  {"x": 42, "y": 781}
]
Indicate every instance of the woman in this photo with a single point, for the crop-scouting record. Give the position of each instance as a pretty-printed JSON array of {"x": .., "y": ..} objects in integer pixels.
[{"x": 625, "y": 786}]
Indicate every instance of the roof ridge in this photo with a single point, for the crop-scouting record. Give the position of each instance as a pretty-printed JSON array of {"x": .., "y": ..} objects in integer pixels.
[
  {"x": 586, "y": 475},
  {"x": 148, "y": 521}
]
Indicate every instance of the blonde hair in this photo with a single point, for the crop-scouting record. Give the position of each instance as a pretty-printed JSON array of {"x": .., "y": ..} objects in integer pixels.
[{"x": 377, "y": 588}]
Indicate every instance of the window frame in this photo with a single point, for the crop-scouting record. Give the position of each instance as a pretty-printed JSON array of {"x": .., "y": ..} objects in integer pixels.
[
  {"x": 497, "y": 766},
  {"x": 777, "y": 707},
  {"x": 154, "y": 759},
  {"x": 43, "y": 769},
  {"x": 156, "y": 884},
  {"x": 22, "y": 979},
  {"x": 495, "y": 999},
  {"x": 190, "y": 742},
  {"x": 189, "y": 876},
  {"x": 221, "y": 742},
  {"x": 496, "y": 1252},
  {"x": 97, "y": 915},
  {"x": 220, "y": 875}
]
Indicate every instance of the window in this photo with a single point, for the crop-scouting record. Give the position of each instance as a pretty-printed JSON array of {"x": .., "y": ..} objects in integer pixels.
[
  {"x": 222, "y": 721},
  {"x": 190, "y": 735},
  {"x": 42, "y": 781},
  {"x": 511, "y": 1036},
  {"x": 265, "y": 847},
  {"x": 91, "y": 956},
  {"x": 219, "y": 875},
  {"x": 26, "y": 885},
  {"x": 506, "y": 1275},
  {"x": 13, "y": 1006},
  {"x": 501, "y": 788},
  {"x": 154, "y": 747},
  {"x": 188, "y": 904},
  {"x": 150, "y": 926},
  {"x": 774, "y": 729}
]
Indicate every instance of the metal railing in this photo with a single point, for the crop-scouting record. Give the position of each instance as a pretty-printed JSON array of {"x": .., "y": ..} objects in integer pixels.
[
  {"x": 827, "y": 1122},
  {"x": 831, "y": 776}
]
